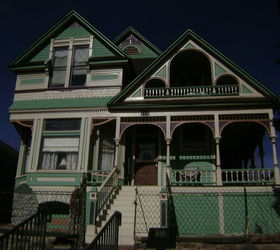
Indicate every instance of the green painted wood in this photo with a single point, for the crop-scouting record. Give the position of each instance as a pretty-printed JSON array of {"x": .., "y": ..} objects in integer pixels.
[
  {"x": 245, "y": 90},
  {"x": 137, "y": 93},
  {"x": 76, "y": 31},
  {"x": 61, "y": 103},
  {"x": 162, "y": 73},
  {"x": 42, "y": 55},
  {"x": 104, "y": 77},
  {"x": 219, "y": 70},
  {"x": 32, "y": 81},
  {"x": 100, "y": 50},
  {"x": 263, "y": 213},
  {"x": 234, "y": 213},
  {"x": 20, "y": 180},
  {"x": 189, "y": 46},
  {"x": 66, "y": 133},
  {"x": 196, "y": 214},
  {"x": 32, "y": 179}
]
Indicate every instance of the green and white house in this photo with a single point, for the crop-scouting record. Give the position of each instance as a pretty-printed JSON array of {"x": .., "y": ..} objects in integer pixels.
[{"x": 187, "y": 120}]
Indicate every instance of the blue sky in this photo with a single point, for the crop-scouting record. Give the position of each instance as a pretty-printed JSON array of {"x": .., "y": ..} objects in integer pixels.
[{"x": 247, "y": 32}]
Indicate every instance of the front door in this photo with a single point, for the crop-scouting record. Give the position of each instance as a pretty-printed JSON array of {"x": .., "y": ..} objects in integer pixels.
[{"x": 145, "y": 162}]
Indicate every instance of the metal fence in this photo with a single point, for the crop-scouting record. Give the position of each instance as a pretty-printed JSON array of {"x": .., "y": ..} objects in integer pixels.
[
  {"x": 212, "y": 211},
  {"x": 107, "y": 238},
  {"x": 147, "y": 210},
  {"x": 29, "y": 234},
  {"x": 65, "y": 207}
]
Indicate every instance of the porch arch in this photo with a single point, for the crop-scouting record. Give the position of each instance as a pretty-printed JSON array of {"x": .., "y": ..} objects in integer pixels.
[
  {"x": 143, "y": 146},
  {"x": 193, "y": 143},
  {"x": 125, "y": 126},
  {"x": 210, "y": 125},
  {"x": 264, "y": 124},
  {"x": 239, "y": 143}
]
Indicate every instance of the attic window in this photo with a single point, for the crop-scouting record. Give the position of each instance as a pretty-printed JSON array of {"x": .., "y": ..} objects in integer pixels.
[
  {"x": 131, "y": 50},
  {"x": 69, "y": 62}
]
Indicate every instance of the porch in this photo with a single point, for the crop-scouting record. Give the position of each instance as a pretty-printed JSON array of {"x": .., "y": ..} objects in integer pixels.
[
  {"x": 197, "y": 150},
  {"x": 202, "y": 177}
]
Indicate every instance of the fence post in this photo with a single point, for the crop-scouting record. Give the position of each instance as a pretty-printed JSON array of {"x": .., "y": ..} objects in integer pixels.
[
  {"x": 163, "y": 208},
  {"x": 246, "y": 212},
  {"x": 93, "y": 208}
]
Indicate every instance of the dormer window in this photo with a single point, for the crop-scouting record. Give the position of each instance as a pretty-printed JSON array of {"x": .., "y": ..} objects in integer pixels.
[
  {"x": 58, "y": 76},
  {"x": 69, "y": 64}
]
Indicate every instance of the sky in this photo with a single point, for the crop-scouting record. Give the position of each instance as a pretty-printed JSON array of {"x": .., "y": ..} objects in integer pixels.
[{"x": 247, "y": 32}]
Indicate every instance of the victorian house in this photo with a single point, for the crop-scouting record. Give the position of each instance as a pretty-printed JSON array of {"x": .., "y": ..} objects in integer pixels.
[{"x": 187, "y": 120}]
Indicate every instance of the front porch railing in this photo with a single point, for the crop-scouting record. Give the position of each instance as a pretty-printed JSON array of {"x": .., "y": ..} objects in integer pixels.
[
  {"x": 185, "y": 177},
  {"x": 247, "y": 176},
  {"x": 219, "y": 90},
  {"x": 106, "y": 189},
  {"x": 97, "y": 177},
  {"x": 229, "y": 176}
]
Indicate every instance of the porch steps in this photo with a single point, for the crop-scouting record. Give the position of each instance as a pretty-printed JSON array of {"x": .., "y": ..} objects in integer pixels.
[{"x": 124, "y": 203}]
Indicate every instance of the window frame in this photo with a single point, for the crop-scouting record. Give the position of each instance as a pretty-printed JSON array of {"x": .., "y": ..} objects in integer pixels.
[
  {"x": 59, "y": 133},
  {"x": 71, "y": 43}
]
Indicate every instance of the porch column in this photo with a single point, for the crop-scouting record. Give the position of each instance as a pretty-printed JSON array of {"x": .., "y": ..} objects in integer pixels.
[
  {"x": 218, "y": 162},
  {"x": 168, "y": 140},
  {"x": 117, "y": 141},
  {"x": 275, "y": 160}
]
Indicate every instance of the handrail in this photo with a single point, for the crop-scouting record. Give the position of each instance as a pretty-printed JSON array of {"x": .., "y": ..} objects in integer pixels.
[
  {"x": 265, "y": 175},
  {"x": 97, "y": 176},
  {"x": 106, "y": 189},
  {"x": 191, "y": 176},
  {"x": 29, "y": 234},
  {"x": 108, "y": 236}
]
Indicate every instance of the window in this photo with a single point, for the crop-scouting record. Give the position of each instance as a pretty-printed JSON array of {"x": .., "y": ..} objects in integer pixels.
[
  {"x": 79, "y": 70},
  {"x": 60, "y": 144},
  {"x": 69, "y": 66},
  {"x": 59, "y": 67}
]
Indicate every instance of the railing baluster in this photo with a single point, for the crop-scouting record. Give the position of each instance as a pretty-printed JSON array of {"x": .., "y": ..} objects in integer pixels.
[{"x": 248, "y": 176}]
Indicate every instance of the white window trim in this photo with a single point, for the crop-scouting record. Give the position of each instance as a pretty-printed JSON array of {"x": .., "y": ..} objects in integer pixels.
[{"x": 70, "y": 43}]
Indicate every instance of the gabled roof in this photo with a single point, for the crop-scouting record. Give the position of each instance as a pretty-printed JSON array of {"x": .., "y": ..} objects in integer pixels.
[
  {"x": 131, "y": 31},
  {"x": 71, "y": 17},
  {"x": 183, "y": 39}
]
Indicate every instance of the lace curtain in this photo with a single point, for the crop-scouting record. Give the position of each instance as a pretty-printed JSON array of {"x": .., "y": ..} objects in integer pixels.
[
  {"x": 60, "y": 153},
  {"x": 106, "y": 154}
]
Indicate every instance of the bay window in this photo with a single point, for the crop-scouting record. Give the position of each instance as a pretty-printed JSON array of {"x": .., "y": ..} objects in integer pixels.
[{"x": 60, "y": 144}]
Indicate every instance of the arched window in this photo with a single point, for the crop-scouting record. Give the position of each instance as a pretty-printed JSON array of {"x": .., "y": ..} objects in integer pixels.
[
  {"x": 227, "y": 80},
  {"x": 131, "y": 50},
  {"x": 190, "y": 68},
  {"x": 155, "y": 83}
]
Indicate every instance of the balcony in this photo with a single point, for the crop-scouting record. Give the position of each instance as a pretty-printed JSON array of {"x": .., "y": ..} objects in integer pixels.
[{"x": 194, "y": 91}]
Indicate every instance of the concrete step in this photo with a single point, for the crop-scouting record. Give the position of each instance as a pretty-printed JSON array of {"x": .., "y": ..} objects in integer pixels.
[{"x": 126, "y": 240}]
